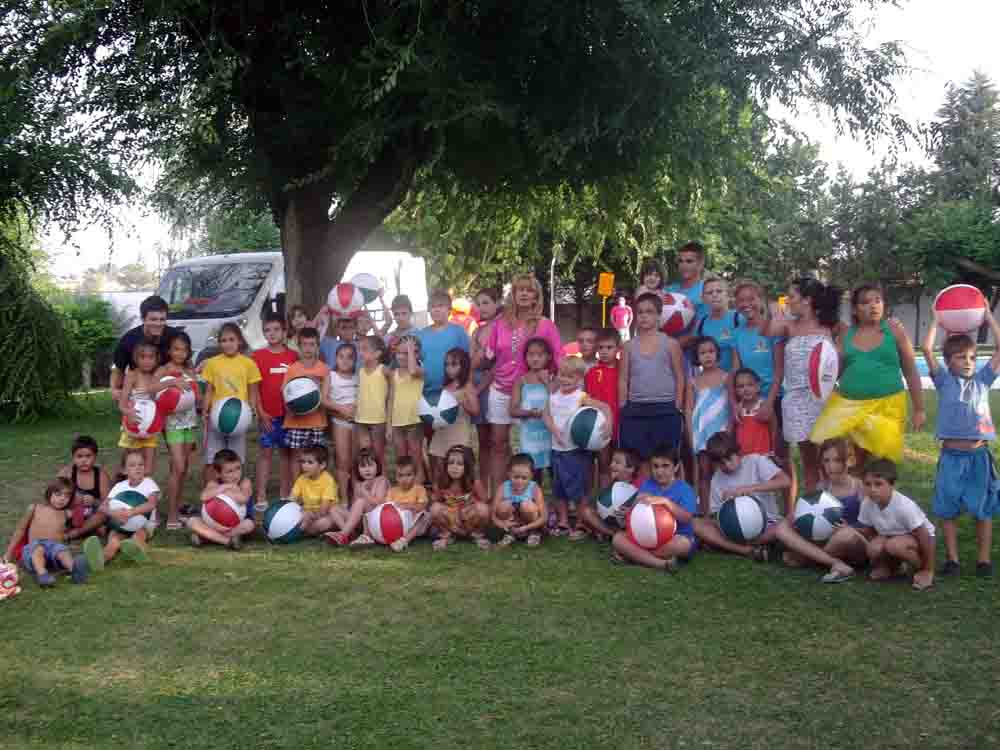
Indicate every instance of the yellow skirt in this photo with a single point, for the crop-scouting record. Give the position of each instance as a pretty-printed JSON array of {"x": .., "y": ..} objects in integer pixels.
[{"x": 875, "y": 425}]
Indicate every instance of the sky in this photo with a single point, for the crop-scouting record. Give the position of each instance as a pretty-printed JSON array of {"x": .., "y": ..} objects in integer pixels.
[{"x": 945, "y": 41}]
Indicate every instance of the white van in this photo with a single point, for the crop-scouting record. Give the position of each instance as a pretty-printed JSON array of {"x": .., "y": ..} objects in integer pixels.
[{"x": 203, "y": 293}]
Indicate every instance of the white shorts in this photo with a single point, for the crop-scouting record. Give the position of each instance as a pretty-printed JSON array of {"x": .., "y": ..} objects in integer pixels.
[
  {"x": 215, "y": 441},
  {"x": 498, "y": 410}
]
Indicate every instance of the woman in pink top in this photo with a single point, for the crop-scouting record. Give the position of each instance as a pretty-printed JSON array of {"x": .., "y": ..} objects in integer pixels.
[{"x": 521, "y": 321}]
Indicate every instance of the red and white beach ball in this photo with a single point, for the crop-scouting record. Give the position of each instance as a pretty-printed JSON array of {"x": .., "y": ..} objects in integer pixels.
[
  {"x": 148, "y": 420},
  {"x": 650, "y": 526},
  {"x": 223, "y": 511},
  {"x": 345, "y": 299},
  {"x": 388, "y": 522},
  {"x": 824, "y": 367},
  {"x": 174, "y": 400},
  {"x": 960, "y": 308},
  {"x": 678, "y": 312}
]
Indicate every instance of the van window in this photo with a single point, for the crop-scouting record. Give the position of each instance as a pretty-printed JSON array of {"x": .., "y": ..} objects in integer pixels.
[{"x": 212, "y": 290}]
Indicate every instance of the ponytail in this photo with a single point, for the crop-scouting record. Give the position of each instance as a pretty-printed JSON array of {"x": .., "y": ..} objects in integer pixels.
[{"x": 825, "y": 299}]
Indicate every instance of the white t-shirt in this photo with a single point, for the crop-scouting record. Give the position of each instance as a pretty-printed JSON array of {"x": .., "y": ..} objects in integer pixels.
[
  {"x": 900, "y": 516},
  {"x": 145, "y": 488},
  {"x": 753, "y": 469},
  {"x": 343, "y": 390},
  {"x": 562, "y": 406}
]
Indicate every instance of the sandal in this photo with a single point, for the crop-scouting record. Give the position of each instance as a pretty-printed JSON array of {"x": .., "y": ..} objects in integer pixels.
[
  {"x": 506, "y": 541},
  {"x": 577, "y": 534},
  {"x": 441, "y": 543},
  {"x": 837, "y": 577},
  {"x": 760, "y": 554},
  {"x": 362, "y": 540},
  {"x": 617, "y": 558},
  {"x": 534, "y": 539},
  {"x": 337, "y": 538},
  {"x": 482, "y": 542},
  {"x": 399, "y": 545},
  {"x": 559, "y": 531}
]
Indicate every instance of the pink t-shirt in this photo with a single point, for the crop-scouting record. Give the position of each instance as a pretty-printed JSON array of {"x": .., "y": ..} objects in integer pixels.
[{"x": 507, "y": 346}]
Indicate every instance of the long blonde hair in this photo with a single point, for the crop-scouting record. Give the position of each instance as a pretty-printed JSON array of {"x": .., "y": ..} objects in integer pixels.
[{"x": 510, "y": 306}]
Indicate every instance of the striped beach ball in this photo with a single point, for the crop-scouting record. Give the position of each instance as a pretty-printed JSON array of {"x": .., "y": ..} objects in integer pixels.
[
  {"x": 368, "y": 285},
  {"x": 650, "y": 526},
  {"x": 223, "y": 511},
  {"x": 126, "y": 501},
  {"x": 615, "y": 501},
  {"x": 301, "y": 395},
  {"x": 438, "y": 409},
  {"x": 174, "y": 400},
  {"x": 960, "y": 308},
  {"x": 587, "y": 429},
  {"x": 677, "y": 314},
  {"x": 283, "y": 522},
  {"x": 345, "y": 299},
  {"x": 742, "y": 519},
  {"x": 149, "y": 422},
  {"x": 231, "y": 415},
  {"x": 824, "y": 367},
  {"x": 388, "y": 522},
  {"x": 817, "y": 515}
]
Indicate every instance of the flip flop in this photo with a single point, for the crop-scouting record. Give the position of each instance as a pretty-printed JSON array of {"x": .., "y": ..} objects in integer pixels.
[
  {"x": 132, "y": 552},
  {"x": 834, "y": 577},
  {"x": 94, "y": 553}
]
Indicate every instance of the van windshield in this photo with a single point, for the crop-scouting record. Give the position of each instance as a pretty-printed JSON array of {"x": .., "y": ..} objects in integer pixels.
[{"x": 212, "y": 290}]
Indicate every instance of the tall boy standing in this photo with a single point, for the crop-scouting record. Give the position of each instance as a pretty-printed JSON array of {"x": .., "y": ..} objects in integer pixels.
[{"x": 273, "y": 362}]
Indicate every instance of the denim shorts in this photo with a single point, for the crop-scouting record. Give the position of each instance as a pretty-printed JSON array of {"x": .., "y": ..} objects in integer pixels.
[
  {"x": 277, "y": 437},
  {"x": 52, "y": 550},
  {"x": 571, "y": 474},
  {"x": 966, "y": 480}
]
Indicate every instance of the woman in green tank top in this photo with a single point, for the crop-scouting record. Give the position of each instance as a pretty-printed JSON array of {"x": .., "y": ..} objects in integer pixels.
[{"x": 869, "y": 406}]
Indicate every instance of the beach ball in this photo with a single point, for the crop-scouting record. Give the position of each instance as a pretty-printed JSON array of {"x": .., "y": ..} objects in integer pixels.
[
  {"x": 127, "y": 500},
  {"x": 368, "y": 285},
  {"x": 8, "y": 580},
  {"x": 650, "y": 526},
  {"x": 960, "y": 308},
  {"x": 388, "y": 522},
  {"x": 150, "y": 420},
  {"x": 438, "y": 409},
  {"x": 614, "y": 501},
  {"x": 817, "y": 515},
  {"x": 823, "y": 369},
  {"x": 344, "y": 300},
  {"x": 742, "y": 519},
  {"x": 231, "y": 416},
  {"x": 301, "y": 395},
  {"x": 223, "y": 511},
  {"x": 174, "y": 400},
  {"x": 587, "y": 429},
  {"x": 678, "y": 312},
  {"x": 283, "y": 522}
]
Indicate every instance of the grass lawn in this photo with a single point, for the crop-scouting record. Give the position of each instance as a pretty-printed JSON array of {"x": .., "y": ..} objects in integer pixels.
[{"x": 307, "y": 646}]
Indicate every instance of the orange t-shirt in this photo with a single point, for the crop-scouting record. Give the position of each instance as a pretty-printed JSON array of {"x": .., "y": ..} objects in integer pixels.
[{"x": 317, "y": 419}]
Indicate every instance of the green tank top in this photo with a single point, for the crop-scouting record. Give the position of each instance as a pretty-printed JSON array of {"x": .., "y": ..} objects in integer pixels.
[{"x": 873, "y": 374}]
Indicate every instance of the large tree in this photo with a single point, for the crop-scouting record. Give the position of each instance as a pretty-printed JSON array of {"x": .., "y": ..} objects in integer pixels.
[{"x": 327, "y": 112}]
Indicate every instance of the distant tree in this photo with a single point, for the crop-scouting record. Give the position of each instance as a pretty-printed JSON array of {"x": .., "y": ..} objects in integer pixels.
[{"x": 135, "y": 277}]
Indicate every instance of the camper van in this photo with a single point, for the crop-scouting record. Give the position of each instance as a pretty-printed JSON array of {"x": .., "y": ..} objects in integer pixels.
[{"x": 203, "y": 293}]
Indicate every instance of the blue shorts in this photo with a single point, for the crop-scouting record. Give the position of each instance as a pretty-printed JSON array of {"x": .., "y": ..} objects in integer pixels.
[
  {"x": 645, "y": 427},
  {"x": 571, "y": 474},
  {"x": 966, "y": 480},
  {"x": 52, "y": 550},
  {"x": 277, "y": 437}
]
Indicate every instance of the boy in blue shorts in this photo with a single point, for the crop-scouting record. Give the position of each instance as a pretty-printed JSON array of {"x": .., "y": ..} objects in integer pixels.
[
  {"x": 966, "y": 474},
  {"x": 273, "y": 362}
]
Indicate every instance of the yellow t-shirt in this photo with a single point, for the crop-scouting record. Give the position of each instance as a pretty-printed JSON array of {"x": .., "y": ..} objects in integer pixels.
[
  {"x": 230, "y": 376},
  {"x": 413, "y": 499},
  {"x": 312, "y": 493},
  {"x": 405, "y": 398},
  {"x": 373, "y": 390}
]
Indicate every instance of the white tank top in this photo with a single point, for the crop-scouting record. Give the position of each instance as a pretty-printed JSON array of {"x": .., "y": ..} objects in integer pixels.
[
  {"x": 562, "y": 406},
  {"x": 343, "y": 389}
]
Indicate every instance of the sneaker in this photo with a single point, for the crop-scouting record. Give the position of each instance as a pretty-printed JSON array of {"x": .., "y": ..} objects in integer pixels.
[
  {"x": 45, "y": 580},
  {"x": 132, "y": 552},
  {"x": 94, "y": 552},
  {"x": 80, "y": 570},
  {"x": 984, "y": 570},
  {"x": 951, "y": 568}
]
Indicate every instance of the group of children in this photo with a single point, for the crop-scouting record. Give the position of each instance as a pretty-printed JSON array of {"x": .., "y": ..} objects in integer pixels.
[{"x": 655, "y": 393}]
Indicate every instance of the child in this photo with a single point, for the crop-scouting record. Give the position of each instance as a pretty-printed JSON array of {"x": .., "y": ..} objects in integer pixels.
[
  {"x": 373, "y": 397},
  {"x": 623, "y": 467},
  {"x": 45, "y": 527},
  {"x": 89, "y": 488},
  {"x": 651, "y": 385},
  {"x": 720, "y": 323},
  {"x": 346, "y": 330},
  {"x": 410, "y": 496},
  {"x": 847, "y": 543},
  {"x": 586, "y": 340},
  {"x": 756, "y": 475},
  {"x": 402, "y": 313},
  {"x": 708, "y": 406},
  {"x": 488, "y": 304},
  {"x": 405, "y": 388},
  {"x": 752, "y": 434},
  {"x": 370, "y": 490},
  {"x": 306, "y": 430},
  {"x": 601, "y": 383},
  {"x": 896, "y": 528},
  {"x": 341, "y": 403},
  {"x": 663, "y": 488},
  {"x": 527, "y": 404},
  {"x": 181, "y": 429},
  {"x": 571, "y": 466},
  {"x": 457, "y": 369},
  {"x": 966, "y": 473},
  {"x": 273, "y": 362},
  {"x": 438, "y": 338},
  {"x": 140, "y": 385},
  {"x": 653, "y": 279},
  {"x": 230, "y": 373},
  {"x": 519, "y": 505},
  {"x": 297, "y": 320},
  {"x": 131, "y": 545},
  {"x": 229, "y": 481},
  {"x": 459, "y": 507},
  {"x": 315, "y": 490}
]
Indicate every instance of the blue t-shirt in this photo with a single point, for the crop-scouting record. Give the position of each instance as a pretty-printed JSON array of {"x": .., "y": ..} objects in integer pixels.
[
  {"x": 681, "y": 493},
  {"x": 693, "y": 293},
  {"x": 328, "y": 352},
  {"x": 723, "y": 330},
  {"x": 964, "y": 405},
  {"x": 433, "y": 346},
  {"x": 757, "y": 353}
]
